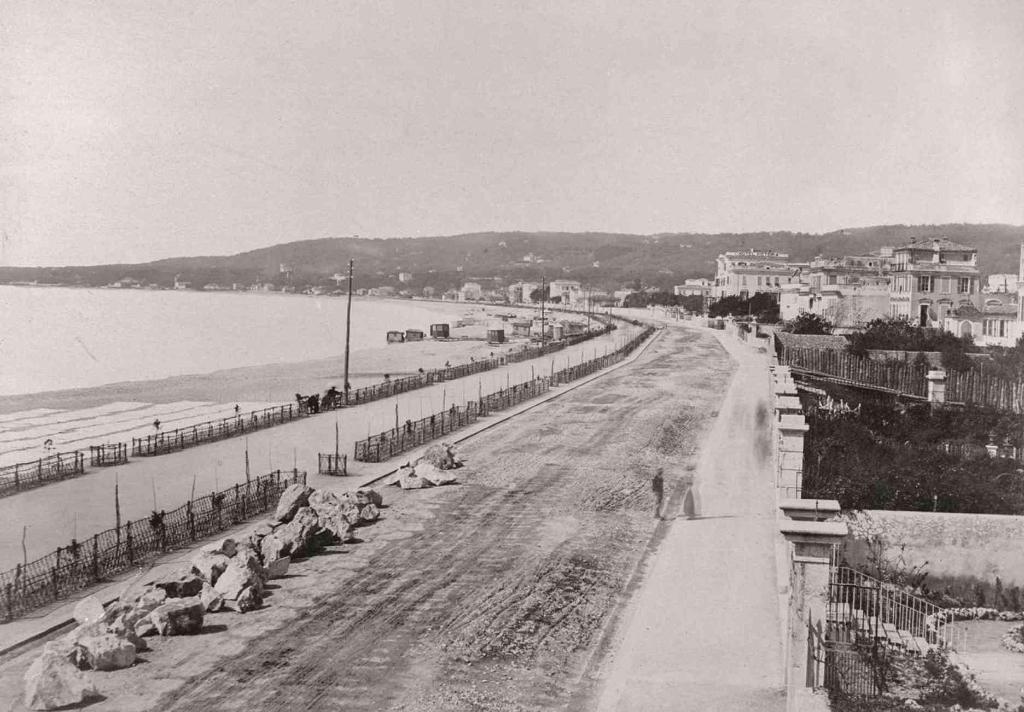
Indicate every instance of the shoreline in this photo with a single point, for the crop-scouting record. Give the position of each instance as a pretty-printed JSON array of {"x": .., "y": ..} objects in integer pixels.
[{"x": 271, "y": 383}]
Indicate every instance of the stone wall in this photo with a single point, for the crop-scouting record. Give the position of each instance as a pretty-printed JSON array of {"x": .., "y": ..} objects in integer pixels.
[{"x": 954, "y": 545}]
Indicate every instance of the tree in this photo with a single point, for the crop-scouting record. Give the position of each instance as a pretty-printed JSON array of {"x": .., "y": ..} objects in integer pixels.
[
  {"x": 808, "y": 323},
  {"x": 539, "y": 295}
]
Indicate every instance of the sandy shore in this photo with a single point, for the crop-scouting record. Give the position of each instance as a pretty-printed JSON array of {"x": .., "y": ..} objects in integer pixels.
[{"x": 279, "y": 382}]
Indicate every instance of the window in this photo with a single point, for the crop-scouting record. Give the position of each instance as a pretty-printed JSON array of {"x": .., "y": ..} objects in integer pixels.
[
  {"x": 758, "y": 281},
  {"x": 965, "y": 285},
  {"x": 924, "y": 284}
]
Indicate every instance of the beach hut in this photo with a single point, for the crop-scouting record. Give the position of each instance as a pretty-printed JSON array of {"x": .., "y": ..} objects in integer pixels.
[
  {"x": 396, "y": 337},
  {"x": 557, "y": 332},
  {"x": 440, "y": 331},
  {"x": 521, "y": 328},
  {"x": 495, "y": 334},
  {"x": 414, "y": 335}
]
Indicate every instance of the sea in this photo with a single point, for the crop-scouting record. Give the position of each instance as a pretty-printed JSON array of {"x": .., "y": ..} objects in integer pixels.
[{"x": 54, "y": 338}]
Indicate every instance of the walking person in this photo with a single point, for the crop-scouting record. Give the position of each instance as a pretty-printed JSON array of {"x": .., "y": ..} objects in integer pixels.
[{"x": 658, "y": 487}]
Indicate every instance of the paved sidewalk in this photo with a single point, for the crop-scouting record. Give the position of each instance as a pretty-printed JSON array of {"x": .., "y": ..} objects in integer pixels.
[
  {"x": 24, "y": 630},
  {"x": 703, "y": 631}
]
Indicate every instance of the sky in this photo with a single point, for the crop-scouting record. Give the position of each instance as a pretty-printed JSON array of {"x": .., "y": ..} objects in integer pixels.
[{"x": 134, "y": 131}]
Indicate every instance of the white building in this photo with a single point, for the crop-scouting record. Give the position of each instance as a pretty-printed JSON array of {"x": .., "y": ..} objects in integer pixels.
[
  {"x": 569, "y": 291},
  {"x": 700, "y": 287},
  {"x": 847, "y": 291},
  {"x": 404, "y": 277},
  {"x": 743, "y": 274},
  {"x": 470, "y": 292}
]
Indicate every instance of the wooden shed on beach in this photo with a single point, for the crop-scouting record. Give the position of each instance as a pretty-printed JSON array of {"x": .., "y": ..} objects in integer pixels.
[
  {"x": 440, "y": 331},
  {"x": 414, "y": 335},
  {"x": 495, "y": 334},
  {"x": 396, "y": 337}
]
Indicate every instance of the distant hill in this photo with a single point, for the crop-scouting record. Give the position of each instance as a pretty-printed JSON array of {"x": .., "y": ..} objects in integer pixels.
[{"x": 604, "y": 260}]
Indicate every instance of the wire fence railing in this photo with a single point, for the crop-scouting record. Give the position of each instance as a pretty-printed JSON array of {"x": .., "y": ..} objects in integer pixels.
[
  {"x": 37, "y": 583},
  {"x": 213, "y": 430},
  {"x": 402, "y": 438},
  {"x": 52, "y": 468}
]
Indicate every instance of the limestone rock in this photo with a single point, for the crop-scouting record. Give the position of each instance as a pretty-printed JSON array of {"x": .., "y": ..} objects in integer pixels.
[
  {"x": 373, "y": 496},
  {"x": 264, "y": 529},
  {"x": 52, "y": 682},
  {"x": 322, "y": 500},
  {"x": 396, "y": 479},
  {"x": 88, "y": 610},
  {"x": 272, "y": 548},
  {"x": 369, "y": 513},
  {"x": 184, "y": 586},
  {"x": 235, "y": 579},
  {"x": 211, "y": 599},
  {"x": 226, "y": 547},
  {"x": 337, "y": 526},
  {"x": 410, "y": 481},
  {"x": 145, "y": 627},
  {"x": 209, "y": 565},
  {"x": 298, "y": 534},
  {"x": 183, "y": 616},
  {"x": 279, "y": 567},
  {"x": 249, "y": 599},
  {"x": 350, "y": 512},
  {"x": 151, "y": 598},
  {"x": 435, "y": 476},
  {"x": 108, "y": 652},
  {"x": 292, "y": 500}
]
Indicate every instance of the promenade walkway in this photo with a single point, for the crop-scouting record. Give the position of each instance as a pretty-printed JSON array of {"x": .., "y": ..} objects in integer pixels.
[{"x": 703, "y": 631}]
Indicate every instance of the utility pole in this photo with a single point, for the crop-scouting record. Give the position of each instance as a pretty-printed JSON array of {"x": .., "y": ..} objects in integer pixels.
[
  {"x": 348, "y": 326},
  {"x": 543, "y": 301}
]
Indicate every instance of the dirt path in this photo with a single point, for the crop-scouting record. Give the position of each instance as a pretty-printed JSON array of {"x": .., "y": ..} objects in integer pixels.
[{"x": 492, "y": 595}]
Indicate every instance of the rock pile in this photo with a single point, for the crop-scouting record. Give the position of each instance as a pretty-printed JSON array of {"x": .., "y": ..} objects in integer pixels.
[
  {"x": 431, "y": 470},
  {"x": 227, "y": 575}
]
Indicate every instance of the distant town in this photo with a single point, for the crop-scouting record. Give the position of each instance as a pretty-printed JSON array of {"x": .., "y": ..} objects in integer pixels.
[{"x": 931, "y": 282}]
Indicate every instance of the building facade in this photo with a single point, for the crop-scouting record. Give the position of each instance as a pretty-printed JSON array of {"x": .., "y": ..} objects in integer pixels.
[
  {"x": 931, "y": 278},
  {"x": 847, "y": 291},
  {"x": 743, "y": 274}
]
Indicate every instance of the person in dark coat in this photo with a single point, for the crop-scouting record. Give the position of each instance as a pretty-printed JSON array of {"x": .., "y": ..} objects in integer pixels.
[{"x": 658, "y": 487}]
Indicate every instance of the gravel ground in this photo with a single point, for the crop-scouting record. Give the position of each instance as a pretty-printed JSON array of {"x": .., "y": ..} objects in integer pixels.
[{"x": 500, "y": 593}]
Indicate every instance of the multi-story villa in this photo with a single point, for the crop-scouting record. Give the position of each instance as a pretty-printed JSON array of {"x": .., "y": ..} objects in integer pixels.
[
  {"x": 570, "y": 291},
  {"x": 931, "y": 278},
  {"x": 744, "y": 274},
  {"x": 847, "y": 291}
]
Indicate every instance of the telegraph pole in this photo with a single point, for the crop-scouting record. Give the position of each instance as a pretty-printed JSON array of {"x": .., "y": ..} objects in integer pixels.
[
  {"x": 348, "y": 326},
  {"x": 543, "y": 301}
]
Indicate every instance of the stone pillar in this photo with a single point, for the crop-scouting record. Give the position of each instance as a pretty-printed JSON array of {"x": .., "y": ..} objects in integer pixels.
[
  {"x": 936, "y": 386},
  {"x": 811, "y": 549},
  {"x": 790, "y": 455}
]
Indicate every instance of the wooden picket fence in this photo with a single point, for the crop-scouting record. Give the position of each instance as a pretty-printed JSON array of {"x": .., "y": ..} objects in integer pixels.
[
  {"x": 81, "y": 564},
  {"x": 975, "y": 388},
  {"x": 892, "y": 376}
]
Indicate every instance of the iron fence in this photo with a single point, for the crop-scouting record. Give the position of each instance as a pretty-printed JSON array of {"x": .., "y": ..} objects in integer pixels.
[
  {"x": 385, "y": 445},
  {"x": 108, "y": 455},
  {"x": 52, "y": 468},
  {"x": 332, "y": 464},
  {"x": 213, "y": 430},
  {"x": 81, "y": 564},
  {"x": 395, "y": 441}
]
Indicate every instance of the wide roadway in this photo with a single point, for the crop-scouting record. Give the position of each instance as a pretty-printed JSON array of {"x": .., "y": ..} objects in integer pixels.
[{"x": 505, "y": 592}]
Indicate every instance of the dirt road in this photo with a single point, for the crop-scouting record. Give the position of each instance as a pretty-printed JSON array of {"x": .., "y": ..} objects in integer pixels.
[{"x": 497, "y": 594}]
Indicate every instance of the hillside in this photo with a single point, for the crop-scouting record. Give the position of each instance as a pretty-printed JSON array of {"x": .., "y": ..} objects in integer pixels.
[{"x": 599, "y": 259}]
